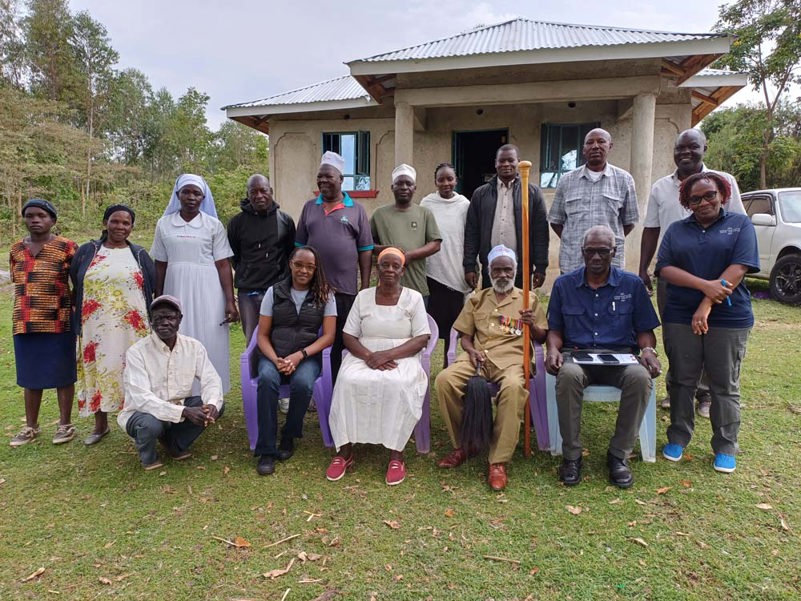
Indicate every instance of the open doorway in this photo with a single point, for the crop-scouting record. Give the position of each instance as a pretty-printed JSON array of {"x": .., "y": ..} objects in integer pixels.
[{"x": 474, "y": 157}]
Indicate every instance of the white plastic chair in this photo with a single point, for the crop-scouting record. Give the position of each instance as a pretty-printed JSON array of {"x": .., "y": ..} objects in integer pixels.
[{"x": 603, "y": 394}]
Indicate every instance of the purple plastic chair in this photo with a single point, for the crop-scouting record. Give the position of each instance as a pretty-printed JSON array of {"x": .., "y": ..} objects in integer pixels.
[
  {"x": 537, "y": 403},
  {"x": 249, "y": 375},
  {"x": 324, "y": 391}
]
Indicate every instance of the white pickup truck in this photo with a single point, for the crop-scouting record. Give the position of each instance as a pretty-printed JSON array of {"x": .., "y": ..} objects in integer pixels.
[{"x": 776, "y": 215}]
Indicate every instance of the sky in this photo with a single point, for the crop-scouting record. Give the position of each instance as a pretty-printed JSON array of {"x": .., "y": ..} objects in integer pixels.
[{"x": 243, "y": 50}]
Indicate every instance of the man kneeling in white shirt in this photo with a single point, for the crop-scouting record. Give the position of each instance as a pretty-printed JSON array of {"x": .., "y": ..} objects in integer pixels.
[{"x": 159, "y": 372}]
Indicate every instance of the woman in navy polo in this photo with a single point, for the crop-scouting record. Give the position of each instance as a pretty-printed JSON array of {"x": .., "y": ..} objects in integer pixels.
[{"x": 708, "y": 316}]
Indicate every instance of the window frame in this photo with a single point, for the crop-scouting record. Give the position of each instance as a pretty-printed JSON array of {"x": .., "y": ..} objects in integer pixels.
[
  {"x": 361, "y": 162},
  {"x": 581, "y": 131}
]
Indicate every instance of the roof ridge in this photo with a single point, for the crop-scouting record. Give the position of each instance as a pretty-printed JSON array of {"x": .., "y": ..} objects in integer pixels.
[{"x": 527, "y": 20}]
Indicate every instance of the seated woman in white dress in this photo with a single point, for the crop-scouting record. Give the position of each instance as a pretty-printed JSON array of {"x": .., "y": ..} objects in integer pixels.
[{"x": 378, "y": 396}]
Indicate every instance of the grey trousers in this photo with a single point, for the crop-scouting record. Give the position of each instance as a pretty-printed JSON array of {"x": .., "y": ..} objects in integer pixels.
[
  {"x": 635, "y": 384},
  {"x": 702, "y": 390},
  {"x": 249, "y": 307},
  {"x": 146, "y": 430},
  {"x": 720, "y": 352}
]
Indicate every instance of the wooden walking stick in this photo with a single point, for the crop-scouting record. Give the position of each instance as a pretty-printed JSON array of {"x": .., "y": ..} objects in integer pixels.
[{"x": 524, "y": 167}]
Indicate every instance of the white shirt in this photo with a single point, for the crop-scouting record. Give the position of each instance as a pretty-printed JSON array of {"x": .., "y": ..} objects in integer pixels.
[
  {"x": 156, "y": 379},
  {"x": 451, "y": 215},
  {"x": 664, "y": 207}
]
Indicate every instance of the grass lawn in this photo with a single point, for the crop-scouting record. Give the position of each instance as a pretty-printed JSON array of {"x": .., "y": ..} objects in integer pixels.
[{"x": 101, "y": 528}]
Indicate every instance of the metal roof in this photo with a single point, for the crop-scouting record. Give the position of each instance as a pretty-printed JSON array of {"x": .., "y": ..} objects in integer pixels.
[
  {"x": 339, "y": 88},
  {"x": 521, "y": 35}
]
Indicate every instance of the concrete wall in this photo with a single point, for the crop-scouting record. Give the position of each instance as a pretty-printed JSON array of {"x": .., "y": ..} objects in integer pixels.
[{"x": 296, "y": 145}]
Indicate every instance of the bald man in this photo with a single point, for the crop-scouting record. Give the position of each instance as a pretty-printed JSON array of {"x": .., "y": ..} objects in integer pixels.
[{"x": 596, "y": 193}]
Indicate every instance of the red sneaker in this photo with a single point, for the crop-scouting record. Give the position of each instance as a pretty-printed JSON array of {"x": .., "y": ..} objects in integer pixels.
[
  {"x": 339, "y": 465},
  {"x": 396, "y": 472}
]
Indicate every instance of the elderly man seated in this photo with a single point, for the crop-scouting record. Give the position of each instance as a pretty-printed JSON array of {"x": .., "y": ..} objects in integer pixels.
[
  {"x": 600, "y": 308},
  {"x": 491, "y": 326},
  {"x": 159, "y": 372}
]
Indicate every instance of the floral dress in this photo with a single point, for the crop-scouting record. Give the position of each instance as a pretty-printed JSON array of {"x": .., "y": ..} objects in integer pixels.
[{"x": 114, "y": 316}]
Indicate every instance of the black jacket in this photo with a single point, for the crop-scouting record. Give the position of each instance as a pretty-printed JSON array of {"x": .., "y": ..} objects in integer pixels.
[
  {"x": 478, "y": 229},
  {"x": 80, "y": 264},
  {"x": 292, "y": 331},
  {"x": 261, "y": 245}
]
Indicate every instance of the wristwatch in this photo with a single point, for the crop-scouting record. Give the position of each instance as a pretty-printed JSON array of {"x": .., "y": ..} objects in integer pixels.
[{"x": 304, "y": 353}]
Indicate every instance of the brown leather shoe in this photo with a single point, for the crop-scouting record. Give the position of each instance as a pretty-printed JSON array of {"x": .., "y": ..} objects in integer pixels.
[
  {"x": 454, "y": 459},
  {"x": 497, "y": 476}
]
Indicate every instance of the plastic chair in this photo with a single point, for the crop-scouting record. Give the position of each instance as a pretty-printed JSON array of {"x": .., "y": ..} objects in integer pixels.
[
  {"x": 249, "y": 376},
  {"x": 536, "y": 401},
  {"x": 422, "y": 431},
  {"x": 604, "y": 394}
]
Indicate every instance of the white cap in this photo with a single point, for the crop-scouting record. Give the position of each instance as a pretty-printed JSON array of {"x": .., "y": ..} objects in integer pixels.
[
  {"x": 404, "y": 169},
  {"x": 502, "y": 251},
  {"x": 335, "y": 160}
]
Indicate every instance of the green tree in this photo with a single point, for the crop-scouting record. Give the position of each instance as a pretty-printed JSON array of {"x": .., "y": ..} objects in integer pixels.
[
  {"x": 95, "y": 60},
  {"x": 10, "y": 43},
  {"x": 129, "y": 109},
  {"x": 735, "y": 144},
  {"x": 47, "y": 29},
  {"x": 768, "y": 47}
]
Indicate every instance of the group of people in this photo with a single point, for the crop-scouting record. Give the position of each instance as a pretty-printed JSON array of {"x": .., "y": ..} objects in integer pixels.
[{"x": 152, "y": 329}]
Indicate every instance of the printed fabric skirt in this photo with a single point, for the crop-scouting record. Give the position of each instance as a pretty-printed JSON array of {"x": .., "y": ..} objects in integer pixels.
[{"x": 45, "y": 360}]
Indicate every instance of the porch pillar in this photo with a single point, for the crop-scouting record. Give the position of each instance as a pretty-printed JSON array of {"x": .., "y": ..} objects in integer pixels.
[
  {"x": 404, "y": 133},
  {"x": 642, "y": 159}
]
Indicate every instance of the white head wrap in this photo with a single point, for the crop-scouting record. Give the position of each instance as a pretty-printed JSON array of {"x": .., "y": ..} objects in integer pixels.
[
  {"x": 404, "y": 169},
  {"x": 206, "y": 205},
  {"x": 335, "y": 160},
  {"x": 502, "y": 251}
]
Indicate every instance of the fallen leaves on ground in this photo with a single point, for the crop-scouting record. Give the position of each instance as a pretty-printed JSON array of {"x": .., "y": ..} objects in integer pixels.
[
  {"x": 392, "y": 524},
  {"x": 764, "y": 506},
  {"x": 573, "y": 510},
  {"x": 450, "y": 512},
  {"x": 663, "y": 490},
  {"x": 104, "y": 580},
  {"x": 686, "y": 483},
  {"x": 273, "y": 574},
  {"x": 303, "y": 556},
  {"x": 640, "y": 541},
  {"x": 784, "y": 524}
]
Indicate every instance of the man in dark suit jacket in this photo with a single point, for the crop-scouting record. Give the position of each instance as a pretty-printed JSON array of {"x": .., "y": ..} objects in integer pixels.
[{"x": 495, "y": 217}]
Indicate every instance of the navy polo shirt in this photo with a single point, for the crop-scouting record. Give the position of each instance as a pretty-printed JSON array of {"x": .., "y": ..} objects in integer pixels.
[
  {"x": 706, "y": 253},
  {"x": 609, "y": 317}
]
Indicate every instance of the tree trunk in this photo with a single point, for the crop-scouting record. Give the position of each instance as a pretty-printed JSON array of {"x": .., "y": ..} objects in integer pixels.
[{"x": 85, "y": 191}]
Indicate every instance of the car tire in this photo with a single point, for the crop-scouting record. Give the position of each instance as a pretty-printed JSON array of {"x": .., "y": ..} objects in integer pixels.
[{"x": 785, "y": 279}]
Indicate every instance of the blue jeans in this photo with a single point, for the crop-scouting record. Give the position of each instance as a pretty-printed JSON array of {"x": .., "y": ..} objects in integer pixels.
[{"x": 301, "y": 384}]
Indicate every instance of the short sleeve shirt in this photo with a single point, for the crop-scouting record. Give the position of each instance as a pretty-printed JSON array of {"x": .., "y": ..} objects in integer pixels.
[
  {"x": 338, "y": 236},
  {"x": 41, "y": 288},
  {"x": 608, "y": 317},
  {"x": 407, "y": 230},
  {"x": 580, "y": 203},
  {"x": 494, "y": 324},
  {"x": 707, "y": 253},
  {"x": 664, "y": 207}
]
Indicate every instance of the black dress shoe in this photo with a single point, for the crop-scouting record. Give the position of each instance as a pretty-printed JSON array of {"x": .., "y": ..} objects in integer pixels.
[
  {"x": 266, "y": 465},
  {"x": 570, "y": 471},
  {"x": 619, "y": 471},
  {"x": 286, "y": 449}
]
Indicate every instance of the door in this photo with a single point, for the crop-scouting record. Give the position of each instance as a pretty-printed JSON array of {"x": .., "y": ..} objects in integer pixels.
[
  {"x": 762, "y": 204},
  {"x": 474, "y": 157}
]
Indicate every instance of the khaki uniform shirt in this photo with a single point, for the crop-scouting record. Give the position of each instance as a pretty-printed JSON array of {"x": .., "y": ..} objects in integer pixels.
[{"x": 489, "y": 322}]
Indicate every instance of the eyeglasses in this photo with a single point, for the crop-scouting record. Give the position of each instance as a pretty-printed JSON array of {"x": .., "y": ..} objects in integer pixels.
[
  {"x": 694, "y": 201},
  {"x": 601, "y": 252},
  {"x": 304, "y": 266}
]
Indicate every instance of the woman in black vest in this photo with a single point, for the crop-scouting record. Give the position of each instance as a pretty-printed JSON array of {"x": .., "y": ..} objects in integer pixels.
[{"x": 292, "y": 313}]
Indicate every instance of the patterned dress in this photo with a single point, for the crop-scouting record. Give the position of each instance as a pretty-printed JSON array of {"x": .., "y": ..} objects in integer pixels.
[{"x": 114, "y": 316}]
